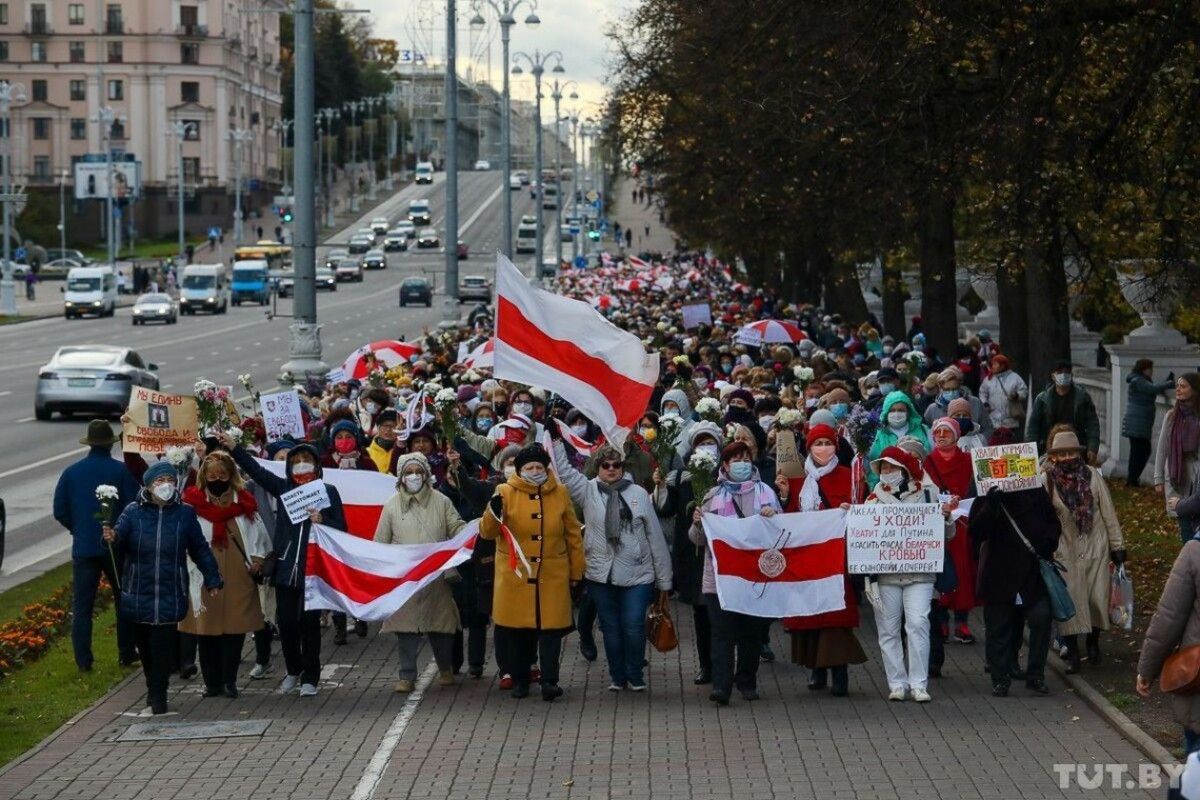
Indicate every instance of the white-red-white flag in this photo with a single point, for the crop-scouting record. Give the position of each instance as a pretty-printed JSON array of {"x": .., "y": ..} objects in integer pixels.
[
  {"x": 788, "y": 565},
  {"x": 547, "y": 340},
  {"x": 371, "y": 581},
  {"x": 363, "y": 494},
  {"x": 639, "y": 263}
]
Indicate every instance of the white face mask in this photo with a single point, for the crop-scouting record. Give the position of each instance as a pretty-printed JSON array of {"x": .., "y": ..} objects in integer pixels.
[
  {"x": 700, "y": 381},
  {"x": 509, "y": 471},
  {"x": 164, "y": 491},
  {"x": 891, "y": 480},
  {"x": 898, "y": 419},
  {"x": 671, "y": 412},
  {"x": 765, "y": 422},
  {"x": 523, "y": 408},
  {"x": 537, "y": 479},
  {"x": 414, "y": 482},
  {"x": 1062, "y": 379},
  {"x": 303, "y": 468},
  {"x": 579, "y": 429},
  {"x": 372, "y": 408}
]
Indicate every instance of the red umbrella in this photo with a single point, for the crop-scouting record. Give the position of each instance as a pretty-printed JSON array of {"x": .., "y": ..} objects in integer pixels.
[
  {"x": 774, "y": 331},
  {"x": 387, "y": 352}
]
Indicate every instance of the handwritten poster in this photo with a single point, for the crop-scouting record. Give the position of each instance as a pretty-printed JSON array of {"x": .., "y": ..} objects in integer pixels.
[
  {"x": 888, "y": 539},
  {"x": 305, "y": 497},
  {"x": 158, "y": 421},
  {"x": 281, "y": 415},
  {"x": 1008, "y": 467}
]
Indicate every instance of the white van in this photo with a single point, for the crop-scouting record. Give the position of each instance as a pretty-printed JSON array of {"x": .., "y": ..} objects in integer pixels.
[
  {"x": 90, "y": 290},
  {"x": 526, "y": 239},
  {"x": 205, "y": 287},
  {"x": 424, "y": 172},
  {"x": 550, "y": 197}
]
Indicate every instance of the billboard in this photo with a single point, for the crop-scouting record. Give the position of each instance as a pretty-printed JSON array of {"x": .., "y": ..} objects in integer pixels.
[{"x": 91, "y": 180}]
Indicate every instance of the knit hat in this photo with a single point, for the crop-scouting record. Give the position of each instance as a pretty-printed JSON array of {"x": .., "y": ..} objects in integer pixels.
[
  {"x": 467, "y": 392},
  {"x": 822, "y": 416},
  {"x": 505, "y": 453},
  {"x": 411, "y": 458},
  {"x": 532, "y": 454},
  {"x": 343, "y": 425},
  {"x": 887, "y": 374},
  {"x": 950, "y": 373},
  {"x": 958, "y": 405},
  {"x": 281, "y": 444},
  {"x": 159, "y": 469},
  {"x": 734, "y": 449},
  {"x": 423, "y": 433},
  {"x": 901, "y": 458},
  {"x": 743, "y": 395},
  {"x": 950, "y": 424},
  {"x": 816, "y": 432},
  {"x": 705, "y": 428}
]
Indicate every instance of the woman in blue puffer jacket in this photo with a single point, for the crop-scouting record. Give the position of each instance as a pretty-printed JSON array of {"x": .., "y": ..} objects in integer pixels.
[{"x": 153, "y": 538}]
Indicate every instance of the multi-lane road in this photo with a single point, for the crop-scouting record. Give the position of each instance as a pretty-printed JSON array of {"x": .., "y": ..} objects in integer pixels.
[{"x": 32, "y": 453}]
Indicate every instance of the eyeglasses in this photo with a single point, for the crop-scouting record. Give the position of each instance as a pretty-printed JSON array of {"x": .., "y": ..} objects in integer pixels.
[{"x": 611, "y": 465}]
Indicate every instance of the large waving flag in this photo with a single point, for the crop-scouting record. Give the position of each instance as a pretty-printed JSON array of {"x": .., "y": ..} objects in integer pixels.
[
  {"x": 788, "y": 565},
  {"x": 547, "y": 340},
  {"x": 363, "y": 494},
  {"x": 371, "y": 581}
]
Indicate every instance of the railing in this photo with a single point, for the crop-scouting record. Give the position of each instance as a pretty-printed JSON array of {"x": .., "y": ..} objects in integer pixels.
[
  {"x": 39, "y": 27},
  {"x": 114, "y": 27},
  {"x": 192, "y": 31}
]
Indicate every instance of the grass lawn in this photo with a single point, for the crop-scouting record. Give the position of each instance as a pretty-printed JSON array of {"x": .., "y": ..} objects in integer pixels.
[
  {"x": 144, "y": 249},
  {"x": 33, "y": 591}
]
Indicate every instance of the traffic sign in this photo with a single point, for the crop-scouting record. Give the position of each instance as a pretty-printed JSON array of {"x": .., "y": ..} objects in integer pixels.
[
  {"x": 580, "y": 262},
  {"x": 19, "y": 254},
  {"x": 592, "y": 196},
  {"x": 574, "y": 229}
]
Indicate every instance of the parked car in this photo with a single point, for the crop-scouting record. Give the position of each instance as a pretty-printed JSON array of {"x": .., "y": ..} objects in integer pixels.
[
  {"x": 374, "y": 259},
  {"x": 349, "y": 269},
  {"x": 462, "y": 250},
  {"x": 416, "y": 290},
  {"x": 419, "y": 213},
  {"x": 428, "y": 237},
  {"x": 90, "y": 378},
  {"x": 325, "y": 279},
  {"x": 396, "y": 239},
  {"x": 474, "y": 287},
  {"x": 54, "y": 253},
  {"x": 155, "y": 308},
  {"x": 380, "y": 225}
]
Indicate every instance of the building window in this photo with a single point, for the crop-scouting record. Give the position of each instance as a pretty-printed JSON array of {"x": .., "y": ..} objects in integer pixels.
[
  {"x": 41, "y": 168},
  {"x": 78, "y": 128},
  {"x": 191, "y": 169},
  {"x": 40, "y": 90},
  {"x": 78, "y": 90},
  {"x": 38, "y": 52},
  {"x": 77, "y": 52},
  {"x": 112, "y": 21},
  {"x": 189, "y": 16},
  {"x": 189, "y": 92},
  {"x": 193, "y": 131},
  {"x": 41, "y": 127},
  {"x": 3, "y": 13},
  {"x": 118, "y": 130},
  {"x": 116, "y": 90},
  {"x": 189, "y": 53},
  {"x": 75, "y": 13},
  {"x": 37, "y": 18},
  {"x": 116, "y": 52},
  {"x": 3, "y": 51}
]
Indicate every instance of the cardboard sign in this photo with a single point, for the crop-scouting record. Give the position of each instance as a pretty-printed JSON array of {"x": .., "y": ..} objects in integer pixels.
[
  {"x": 337, "y": 375},
  {"x": 281, "y": 415},
  {"x": 749, "y": 337},
  {"x": 886, "y": 539},
  {"x": 1008, "y": 467},
  {"x": 299, "y": 501},
  {"x": 158, "y": 421},
  {"x": 696, "y": 315},
  {"x": 787, "y": 457}
]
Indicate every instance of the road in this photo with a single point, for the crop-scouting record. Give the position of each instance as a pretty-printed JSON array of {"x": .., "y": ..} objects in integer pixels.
[{"x": 32, "y": 453}]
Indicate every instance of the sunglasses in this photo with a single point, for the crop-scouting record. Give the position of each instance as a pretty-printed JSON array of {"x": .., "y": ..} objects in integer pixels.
[{"x": 611, "y": 465}]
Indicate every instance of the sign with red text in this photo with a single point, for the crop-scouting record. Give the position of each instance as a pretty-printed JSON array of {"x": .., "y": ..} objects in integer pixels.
[
  {"x": 884, "y": 539},
  {"x": 158, "y": 420},
  {"x": 1007, "y": 467}
]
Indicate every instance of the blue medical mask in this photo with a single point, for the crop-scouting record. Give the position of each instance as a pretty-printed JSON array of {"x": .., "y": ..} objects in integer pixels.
[
  {"x": 483, "y": 424},
  {"x": 886, "y": 388},
  {"x": 839, "y": 410},
  {"x": 741, "y": 471},
  {"x": 952, "y": 394}
]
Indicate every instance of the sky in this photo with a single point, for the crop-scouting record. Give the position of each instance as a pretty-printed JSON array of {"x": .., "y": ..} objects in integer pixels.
[{"x": 576, "y": 28}]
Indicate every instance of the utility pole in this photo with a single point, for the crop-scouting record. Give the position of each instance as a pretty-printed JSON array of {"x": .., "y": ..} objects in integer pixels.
[
  {"x": 330, "y": 114},
  {"x": 180, "y": 130},
  {"x": 240, "y": 137},
  {"x": 354, "y": 106},
  {"x": 451, "y": 309},
  {"x": 62, "y": 211},
  {"x": 557, "y": 95},
  {"x": 9, "y": 93},
  {"x": 537, "y": 64},
  {"x": 284, "y": 126}
]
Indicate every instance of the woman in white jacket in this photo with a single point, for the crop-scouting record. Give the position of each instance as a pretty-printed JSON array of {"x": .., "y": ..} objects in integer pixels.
[{"x": 626, "y": 555}]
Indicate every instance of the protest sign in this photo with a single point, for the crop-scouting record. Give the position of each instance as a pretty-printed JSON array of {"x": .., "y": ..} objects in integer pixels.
[
  {"x": 281, "y": 415},
  {"x": 787, "y": 458},
  {"x": 337, "y": 375},
  {"x": 305, "y": 497},
  {"x": 695, "y": 315},
  {"x": 158, "y": 421},
  {"x": 895, "y": 538},
  {"x": 1007, "y": 467},
  {"x": 749, "y": 337}
]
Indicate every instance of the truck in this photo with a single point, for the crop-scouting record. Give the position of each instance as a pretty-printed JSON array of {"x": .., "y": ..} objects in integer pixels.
[
  {"x": 205, "y": 287},
  {"x": 251, "y": 283}
]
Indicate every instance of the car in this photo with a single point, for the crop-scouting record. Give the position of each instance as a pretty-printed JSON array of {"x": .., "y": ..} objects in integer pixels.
[
  {"x": 416, "y": 290},
  {"x": 564, "y": 233},
  {"x": 463, "y": 251},
  {"x": 325, "y": 279},
  {"x": 526, "y": 239},
  {"x": 423, "y": 172},
  {"x": 335, "y": 255},
  {"x": 18, "y": 270},
  {"x": 380, "y": 226},
  {"x": 55, "y": 253},
  {"x": 155, "y": 308},
  {"x": 61, "y": 266},
  {"x": 474, "y": 287},
  {"x": 285, "y": 284},
  {"x": 406, "y": 225},
  {"x": 482, "y": 165},
  {"x": 360, "y": 244},
  {"x": 528, "y": 219},
  {"x": 550, "y": 197},
  {"x": 395, "y": 239},
  {"x": 419, "y": 213},
  {"x": 369, "y": 232},
  {"x": 91, "y": 378},
  {"x": 523, "y": 174},
  {"x": 428, "y": 237},
  {"x": 349, "y": 269},
  {"x": 374, "y": 259},
  {"x": 514, "y": 181}
]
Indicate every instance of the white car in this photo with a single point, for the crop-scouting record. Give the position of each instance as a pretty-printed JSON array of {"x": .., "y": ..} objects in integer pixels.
[
  {"x": 514, "y": 181},
  {"x": 407, "y": 226},
  {"x": 380, "y": 225},
  {"x": 396, "y": 239},
  {"x": 428, "y": 238},
  {"x": 482, "y": 166},
  {"x": 155, "y": 308}
]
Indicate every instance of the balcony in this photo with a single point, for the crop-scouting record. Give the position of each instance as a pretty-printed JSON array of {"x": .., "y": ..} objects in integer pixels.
[
  {"x": 192, "y": 31},
  {"x": 114, "y": 27},
  {"x": 39, "y": 27}
]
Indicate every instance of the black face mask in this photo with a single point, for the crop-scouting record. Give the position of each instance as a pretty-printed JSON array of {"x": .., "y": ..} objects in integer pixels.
[
  {"x": 386, "y": 444},
  {"x": 217, "y": 488}
]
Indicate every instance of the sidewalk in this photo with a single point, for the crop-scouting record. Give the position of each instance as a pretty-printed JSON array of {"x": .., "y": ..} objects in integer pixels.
[
  {"x": 640, "y": 216},
  {"x": 359, "y": 740}
]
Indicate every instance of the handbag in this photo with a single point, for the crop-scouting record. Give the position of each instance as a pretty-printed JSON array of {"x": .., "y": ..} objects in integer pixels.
[
  {"x": 660, "y": 628},
  {"x": 1181, "y": 671},
  {"x": 1062, "y": 607},
  {"x": 261, "y": 576}
]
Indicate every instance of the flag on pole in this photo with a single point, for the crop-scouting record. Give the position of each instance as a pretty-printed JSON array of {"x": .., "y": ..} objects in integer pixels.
[{"x": 547, "y": 340}]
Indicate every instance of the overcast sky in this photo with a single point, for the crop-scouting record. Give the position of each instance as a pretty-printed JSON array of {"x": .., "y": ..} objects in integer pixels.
[{"x": 576, "y": 28}]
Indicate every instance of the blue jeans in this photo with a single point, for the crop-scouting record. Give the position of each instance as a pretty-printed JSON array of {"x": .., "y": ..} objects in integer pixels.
[
  {"x": 622, "y": 613},
  {"x": 85, "y": 582}
]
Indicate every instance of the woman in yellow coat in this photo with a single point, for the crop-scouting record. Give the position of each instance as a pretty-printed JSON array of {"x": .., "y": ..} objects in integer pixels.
[{"x": 536, "y": 570}]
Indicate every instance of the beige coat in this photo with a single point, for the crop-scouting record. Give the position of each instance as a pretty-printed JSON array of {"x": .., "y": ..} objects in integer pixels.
[
  {"x": 237, "y": 608},
  {"x": 1086, "y": 558},
  {"x": 422, "y": 518}
]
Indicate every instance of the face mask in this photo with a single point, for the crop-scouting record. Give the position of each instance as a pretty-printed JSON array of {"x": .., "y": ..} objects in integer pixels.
[
  {"x": 1062, "y": 379},
  {"x": 891, "y": 480},
  {"x": 523, "y": 408},
  {"x": 647, "y": 433},
  {"x": 887, "y": 349},
  {"x": 726, "y": 368},
  {"x": 386, "y": 444},
  {"x": 766, "y": 422},
  {"x": 711, "y": 449},
  {"x": 951, "y": 394},
  {"x": 413, "y": 483},
  {"x": 483, "y": 424},
  {"x": 537, "y": 479},
  {"x": 509, "y": 471},
  {"x": 887, "y": 388},
  {"x": 741, "y": 471},
  {"x": 700, "y": 381},
  {"x": 218, "y": 488},
  {"x": 897, "y": 419},
  {"x": 372, "y": 408},
  {"x": 579, "y": 430},
  {"x": 811, "y": 402},
  {"x": 673, "y": 413},
  {"x": 345, "y": 445},
  {"x": 303, "y": 472},
  {"x": 164, "y": 491},
  {"x": 354, "y": 394},
  {"x": 823, "y": 452},
  {"x": 839, "y": 410}
]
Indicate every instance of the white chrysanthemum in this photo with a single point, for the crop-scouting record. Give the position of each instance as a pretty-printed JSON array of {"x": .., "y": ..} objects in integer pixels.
[{"x": 106, "y": 492}]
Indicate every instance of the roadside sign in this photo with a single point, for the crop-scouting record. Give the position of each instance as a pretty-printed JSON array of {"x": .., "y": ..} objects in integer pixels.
[
  {"x": 19, "y": 254},
  {"x": 592, "y": 196},
  {"x": 580, "y": 262},
  {"x": 574, "y": 229}
]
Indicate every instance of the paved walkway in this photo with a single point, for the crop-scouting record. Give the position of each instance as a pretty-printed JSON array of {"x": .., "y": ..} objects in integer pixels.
[
  {"x": 359, "y": 740},
  {"x": 639, "y": 216}
]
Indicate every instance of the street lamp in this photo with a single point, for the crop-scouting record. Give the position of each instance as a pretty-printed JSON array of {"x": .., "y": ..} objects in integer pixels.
[
  {"x": 505, "y": 9},
  {"x": 283, "y": 126},
  {"x": 181, "y": 130},
  {"x": 62, "y": 211},
  {"x": 556, "y": 94},
  {"x": 107, "y": 117},
  {"x": 537, "y": 65},
  {"x": 330, "y": 114},
  {"x": 240, "y": 137},
  {"x": 572, "y": 119},
  {"x": 354, "y": 107},
  {"x": 9, "y": 93},
  {"x": 373, "y": 106}
]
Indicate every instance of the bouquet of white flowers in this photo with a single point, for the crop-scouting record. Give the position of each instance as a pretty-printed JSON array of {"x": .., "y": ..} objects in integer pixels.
[
  {"x": 804, "y": 376},
  {"x": 709, "y": 409},
  {"x": 789, "y": 418},
  {"x": 179, "y": 457},
  {"x": 446, "y": 403},
  {"x": 703, "y": 468},
  {"x": 663, "y": 442},
  {"x": 108, "y": 496}
]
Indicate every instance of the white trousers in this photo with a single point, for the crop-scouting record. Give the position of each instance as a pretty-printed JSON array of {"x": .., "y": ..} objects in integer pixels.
[{"x": 911, "y": 604}]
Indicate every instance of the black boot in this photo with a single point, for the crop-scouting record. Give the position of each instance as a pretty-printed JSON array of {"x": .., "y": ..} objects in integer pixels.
[
  {"x": 816, "y": 679},
  {"x": 1093, "y": 648},
  {"x": 587, "y": 645},
  {"x": 841, "y": 681},
  {"x": 520, "y": 691},
  {"x": 703, "y": 676},
  {"x": 1072, "y": 659}
]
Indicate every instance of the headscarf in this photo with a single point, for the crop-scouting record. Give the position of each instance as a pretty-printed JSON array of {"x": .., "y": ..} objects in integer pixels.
[{"x": 1072, "y": 480}]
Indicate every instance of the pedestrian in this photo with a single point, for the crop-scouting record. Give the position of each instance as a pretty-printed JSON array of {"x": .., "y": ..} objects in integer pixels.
[
  {"x": 383, "y": 443},
  {"x": 628, "y": 237},
  {"x": 737, "y": 638},
  {"x": 157, "y": 535},
  {"x": 275, "y": 451},
  {"x": 1091, "y": 538},
  {"x": 418, "y": 514},
  {"x": 823, "y": 643},
  {"x": 76, "y": 509},
  {"x": 898, "y": 418},
  {"x": 1177, "y": 460},
  {"x": 1004, "y": 396},
  {"x": 950, "y": 470},
  {"x": 950, "y": 388},
  {"x": 1063, "y": 401},
  {"x": 231, "y": 526},
  {"x": 626, "y": 556},
  {"x": 31, "y": 280},
  {"x": 532, "y": 604},
  {"x": 1138, "y": 421}
]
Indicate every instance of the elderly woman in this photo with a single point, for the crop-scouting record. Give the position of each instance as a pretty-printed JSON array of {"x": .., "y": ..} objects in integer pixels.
[
  {"x": 417, "y": 514},
  {"x": 154, "y": 537},
  {"x": 533, "y": 522},
  {"x": 1177, "y": 458},
  {"x": 1091, "y": 538},
  {"x": 230, "y": 523},
  {"x": 626, "y": 556}
]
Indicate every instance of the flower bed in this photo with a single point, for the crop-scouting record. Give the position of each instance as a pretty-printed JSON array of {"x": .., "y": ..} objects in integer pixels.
[{"x": 27, "y": 637}]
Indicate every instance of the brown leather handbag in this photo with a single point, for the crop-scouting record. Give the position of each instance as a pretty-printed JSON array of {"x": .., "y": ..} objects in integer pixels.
[
  {"x": 1181, "y": 671},
  {"x": 660, "y": 628}
]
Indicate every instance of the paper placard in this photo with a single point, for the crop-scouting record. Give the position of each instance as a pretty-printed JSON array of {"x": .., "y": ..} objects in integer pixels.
[
  {"x": 886, "y": 539},
  {"x": 749, "y": 336},
  {"x": 337, "y": 375},
  {"x": 787, "y": 456},
  {"x": 299, "y": 501},
  {"x": 158, "y": 420},
  {"x": 696, "y": 315},
  {"x": 281, "y": 415},
  {"x": 1007, "y": 467}
]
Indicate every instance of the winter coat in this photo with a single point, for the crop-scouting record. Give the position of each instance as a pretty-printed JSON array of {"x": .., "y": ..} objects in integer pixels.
[
  {"x": 75, "y": 503},
  {"x": 422, "y": 518},
  {"x": 237, "y": 609},
  {"x": 155, "y": 543},
  {"x": 640, "y": 556},
  {"x": 543, "y": 524},
  {"x": 1162, "y": 473},
  {"x": 1138, "y": 421},
  {"x": 1083, "y": 418},
  {"x": 885, "y": 437},
  {"x": 997, "y": 392},
  {"x": 1086, "y": 557},
  {"x": 835, "y": 490},
  {"x": 956, "y": 478},
  {"x": 1006, "y": 567},
  {"x": 925, "y": 493},
  {"x": 470, "y": 498},
  {"x": 672, "y": 501},
  {"x": 683, "y": 447},
  {"x": 1175, "y": 625},
  {"x": 746, "y": 503}
]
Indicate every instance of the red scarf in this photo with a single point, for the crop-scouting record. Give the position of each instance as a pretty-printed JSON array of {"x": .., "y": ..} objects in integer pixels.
[{"x": 243, "y": 505}]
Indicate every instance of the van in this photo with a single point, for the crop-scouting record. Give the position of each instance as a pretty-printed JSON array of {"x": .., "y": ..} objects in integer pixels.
[
  {"x": 251, "y": 283},
  {"x": 90, "y": 290},
  {"x": 204, "y": 287},
  {"x": 550, "y": 197},
  {"x": 526, "y": 239},
  {"x": 419, "y": 213},
  {"x": 424, "y": 172}
]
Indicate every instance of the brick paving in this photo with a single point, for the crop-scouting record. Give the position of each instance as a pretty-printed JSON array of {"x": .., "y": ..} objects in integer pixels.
[{"x": 474, "y": 741}]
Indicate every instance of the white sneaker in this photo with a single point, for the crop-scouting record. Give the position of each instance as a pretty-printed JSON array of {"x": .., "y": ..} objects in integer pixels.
[
  {"x": 615, "y": 687},
  {"x": 289, "y": 684},
  {"x": 921, "y": 696},
  {"x": 258, "y": 672},
  {"x": 637, "y": 687},
  {"x": 308, "y": 690},
  {"x": 898, "y": 695}
]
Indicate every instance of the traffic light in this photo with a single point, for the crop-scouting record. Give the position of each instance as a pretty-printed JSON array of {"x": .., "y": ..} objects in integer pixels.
[
  {"x": 593, "y": 234},
  {"x": 284, "y": 212}
]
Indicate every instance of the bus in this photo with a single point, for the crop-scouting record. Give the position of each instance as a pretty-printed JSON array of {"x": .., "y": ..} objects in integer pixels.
[{"x": 278, "y": 256}]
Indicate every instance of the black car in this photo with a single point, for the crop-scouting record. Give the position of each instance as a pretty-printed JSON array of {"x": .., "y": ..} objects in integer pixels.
[{"x": 416, "y": 290}]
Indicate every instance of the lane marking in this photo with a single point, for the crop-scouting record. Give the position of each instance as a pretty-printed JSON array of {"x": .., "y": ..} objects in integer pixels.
[
  {"x": 26, "y": 419},
  {"x": 369, "y": 782},
  {"x": 17, "y": 471}
]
